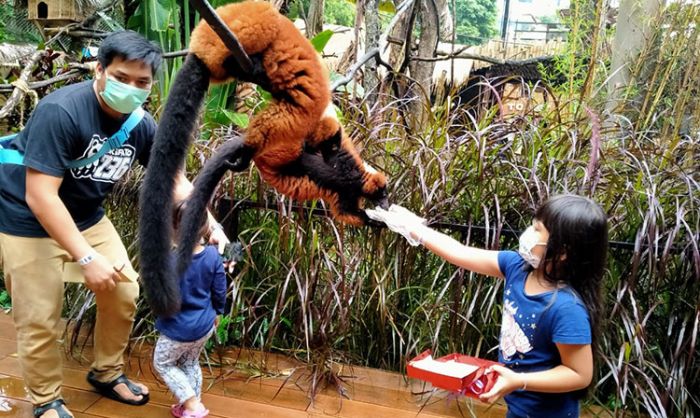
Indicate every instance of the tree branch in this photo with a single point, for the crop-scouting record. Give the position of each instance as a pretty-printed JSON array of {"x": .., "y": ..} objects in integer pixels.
[
  {"x": 442, "y": 56},
  {"x": 19, "y": 92},
  {"x": 43, "y": 83},
  {"x": 375, "y": 52},
  {"x": 79, "y": 33},
  {"x": 175, "y": 54},
  {"x": 372, "y": 53}
]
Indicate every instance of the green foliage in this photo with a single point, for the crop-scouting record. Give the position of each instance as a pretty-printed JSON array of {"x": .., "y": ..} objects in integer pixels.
[
  {"x": 5, "y": 300},
  {"x": 335, "y": 12},
  {"x": 475, "y": 21},
  {"x": 160, "y": 20},
  {"x": 321, "y": 40},
  {"x": 339, "y": 12},
  {"x": 14, "y": 28}
]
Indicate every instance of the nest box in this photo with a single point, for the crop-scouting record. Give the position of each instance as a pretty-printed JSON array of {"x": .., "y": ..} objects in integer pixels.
[{"x": 54, "y": 11}]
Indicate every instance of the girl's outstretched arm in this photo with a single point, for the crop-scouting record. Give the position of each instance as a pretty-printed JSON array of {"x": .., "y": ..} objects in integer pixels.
[
  {"x": 470, "y": 258},
  {"x": 413, "y": 228},
  {"x": 575, "y": 373}
]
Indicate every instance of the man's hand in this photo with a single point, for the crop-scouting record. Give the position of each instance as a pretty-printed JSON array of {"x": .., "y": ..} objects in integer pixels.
[
  {"x": 100, "y": 274},
  {"x": 217, "y": 236}
]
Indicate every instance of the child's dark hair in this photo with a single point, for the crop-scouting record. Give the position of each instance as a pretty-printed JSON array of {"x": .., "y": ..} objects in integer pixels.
[
  {"x": 178, "y": 211},
  {"x": 130, "y": 46},
  {"x": 577, "y": 251}
]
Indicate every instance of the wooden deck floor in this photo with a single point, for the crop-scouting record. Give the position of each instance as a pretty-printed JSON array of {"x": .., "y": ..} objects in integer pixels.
[{"x": 230, "y": 391}]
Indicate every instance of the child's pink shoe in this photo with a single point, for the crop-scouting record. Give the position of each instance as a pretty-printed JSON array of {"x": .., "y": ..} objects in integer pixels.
[
  {"x": 198, "y": 414},
  {"x": 177, "y": 410}
]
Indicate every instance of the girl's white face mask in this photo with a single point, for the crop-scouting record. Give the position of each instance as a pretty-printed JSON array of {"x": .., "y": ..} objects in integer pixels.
[{"x": 528, "y": 241}]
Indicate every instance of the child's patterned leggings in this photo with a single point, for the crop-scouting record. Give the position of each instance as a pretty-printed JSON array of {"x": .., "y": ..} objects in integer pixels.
[{"x": 177, "y": 363}]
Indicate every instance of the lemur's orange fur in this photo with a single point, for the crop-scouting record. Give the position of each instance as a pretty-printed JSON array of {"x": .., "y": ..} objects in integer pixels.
[
  {"x": 263, "y": 30},
  {"x": 300, "y": 87}
]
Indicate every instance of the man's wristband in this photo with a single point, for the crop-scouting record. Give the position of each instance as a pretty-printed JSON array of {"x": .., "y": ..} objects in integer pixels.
[{"x": 87, "y": 259}]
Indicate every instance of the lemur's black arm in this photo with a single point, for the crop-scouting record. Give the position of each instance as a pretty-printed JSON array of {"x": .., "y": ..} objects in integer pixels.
[
  {"x": 171, "y": 142},
  {"x": 232, "y": 155}
]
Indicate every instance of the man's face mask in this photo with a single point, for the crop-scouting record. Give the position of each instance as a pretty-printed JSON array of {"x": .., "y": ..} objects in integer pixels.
[
  {"x": 123, "y": 98},
  {"x": 528, "y": 241}
]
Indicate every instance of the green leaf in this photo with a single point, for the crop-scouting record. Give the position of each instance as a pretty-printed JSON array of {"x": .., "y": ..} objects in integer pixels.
[
  {"x": 5, "y": 301},
  {"x": 239, "y": 119},
  {"x": 113, "y": 24},
  {"x": 321, "y": 40},
  {"x": 264, "y": 94},
  {"x": 159, "y": 15},
  {"x": 386, "y": 6},
  {"x": 136, "y": 21}
]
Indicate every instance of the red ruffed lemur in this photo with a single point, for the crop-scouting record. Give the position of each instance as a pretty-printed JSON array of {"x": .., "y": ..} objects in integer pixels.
[{"x": 296, "y": 142}]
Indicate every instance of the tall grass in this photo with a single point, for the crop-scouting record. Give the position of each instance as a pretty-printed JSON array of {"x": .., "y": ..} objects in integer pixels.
[{"x": 326, "y": 293}]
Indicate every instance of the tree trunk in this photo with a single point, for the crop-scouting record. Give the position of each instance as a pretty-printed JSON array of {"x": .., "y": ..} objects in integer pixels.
[
  {"x": 632, "y": 32},
  {"x": 314, "y": 21},
  {"x": 422, "y": 71},
  {"x": 370, "y": 80},
  {"x": 445, "y": 19}
]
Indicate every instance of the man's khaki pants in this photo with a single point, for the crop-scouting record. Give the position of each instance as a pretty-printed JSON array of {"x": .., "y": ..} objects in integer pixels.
[{"x": 33, "y": 269}]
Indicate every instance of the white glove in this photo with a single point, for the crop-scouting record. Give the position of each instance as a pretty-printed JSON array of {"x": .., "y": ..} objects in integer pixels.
[{"x": 399, "y": 220}]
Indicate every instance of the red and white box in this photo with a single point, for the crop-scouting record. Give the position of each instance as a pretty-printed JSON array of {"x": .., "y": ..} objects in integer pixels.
[{"x": 454, "y": 372}]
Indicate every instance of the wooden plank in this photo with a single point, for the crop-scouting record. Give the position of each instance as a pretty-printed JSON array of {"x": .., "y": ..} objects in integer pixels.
[
  {"x": 7, "y": 347},
  {"x": 406, "y": 397},
  {"x": 218, "y": 406},
  {"x": 234, "y": 408},
  {"x": 6, "y": 316},
  {"x": 7, "y": 331},
  {"x": 16, "y": 408},
  {"x": 79, "y": 400},
  {"x": 325, "y": 405},
  {"x": 287, "y": 396},
  {"x": 109, "y": 408}
]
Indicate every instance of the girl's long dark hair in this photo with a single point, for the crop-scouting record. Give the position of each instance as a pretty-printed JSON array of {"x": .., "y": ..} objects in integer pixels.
[{"x": 576, "y": 251}]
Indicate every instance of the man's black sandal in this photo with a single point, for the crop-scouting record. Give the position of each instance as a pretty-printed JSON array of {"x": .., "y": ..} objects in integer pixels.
[
  {"x": 107, "y": 389},
  {"x": 57, "y": 405}
]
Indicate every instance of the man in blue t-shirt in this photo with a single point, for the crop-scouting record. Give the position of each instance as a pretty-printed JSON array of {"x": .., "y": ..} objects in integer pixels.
[{"x": 51, "y": 213}]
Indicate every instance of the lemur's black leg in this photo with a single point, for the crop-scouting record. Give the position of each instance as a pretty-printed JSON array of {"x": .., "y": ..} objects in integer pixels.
[
  {"x": 340, "y": 174},
  {"x": 232, "y": 155},
  {"x": 170, "y": 145}
]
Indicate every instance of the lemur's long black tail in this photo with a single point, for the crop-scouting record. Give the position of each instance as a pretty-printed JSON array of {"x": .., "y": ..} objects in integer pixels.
[
  {"x": 232, "y": 155},
  {"x": 170, "y": 146}
]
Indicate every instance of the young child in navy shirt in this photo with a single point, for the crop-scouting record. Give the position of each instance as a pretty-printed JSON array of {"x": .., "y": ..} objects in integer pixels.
[
  {"x": 551, "y": 301},
  {"x": 176, "y": 356}
]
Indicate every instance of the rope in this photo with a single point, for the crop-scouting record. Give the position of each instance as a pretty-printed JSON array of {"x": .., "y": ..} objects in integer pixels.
[{"x": 24, "y": 87}]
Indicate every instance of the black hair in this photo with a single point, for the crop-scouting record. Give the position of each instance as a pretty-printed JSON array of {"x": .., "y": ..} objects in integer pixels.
[
  {"x": 576, "y": 251},
  {"x": 130, "y": 46},
  {"x": 179, "y": 210}
]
